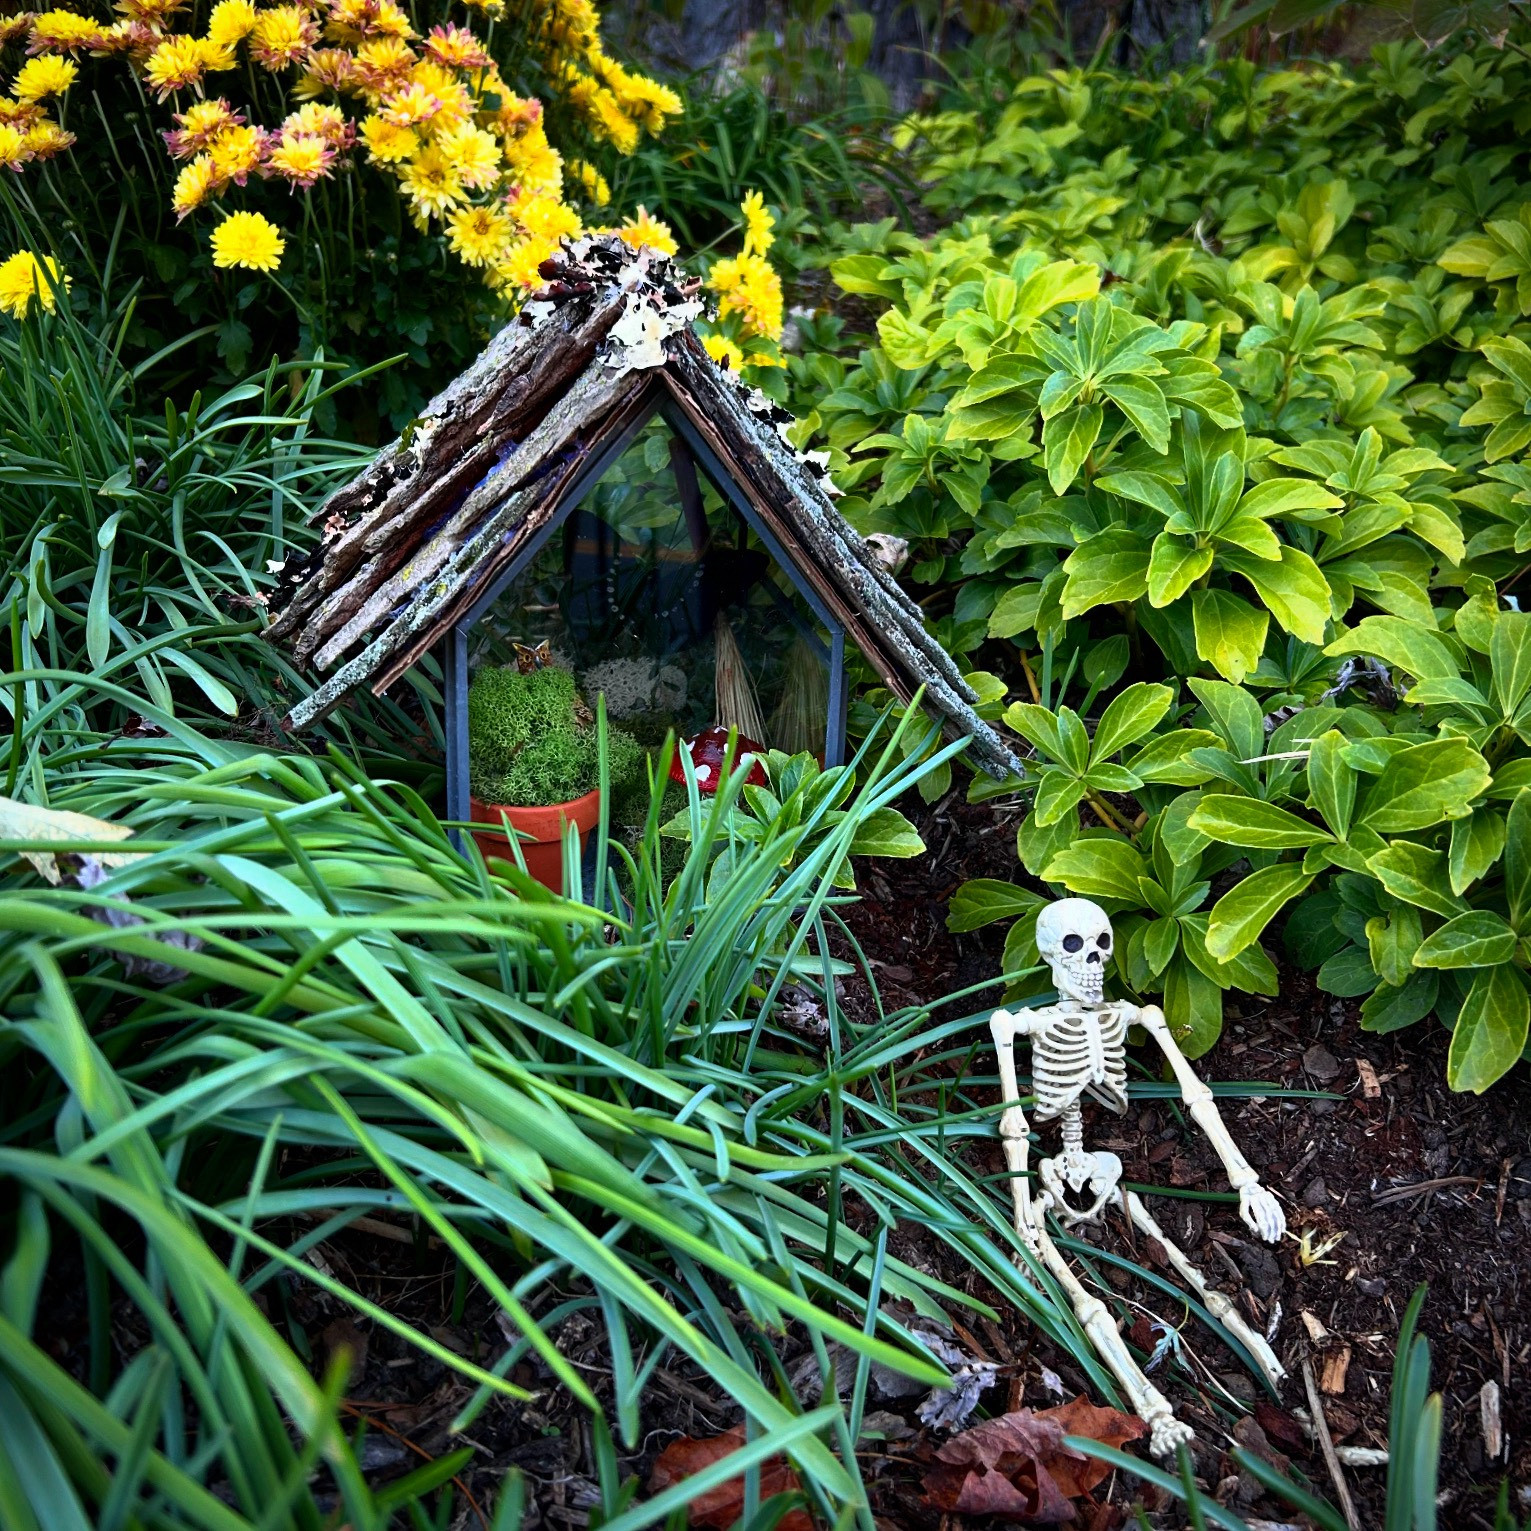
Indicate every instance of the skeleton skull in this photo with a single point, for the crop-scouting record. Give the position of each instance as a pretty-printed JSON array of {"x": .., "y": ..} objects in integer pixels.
[{"x": 1074, "y": 938}]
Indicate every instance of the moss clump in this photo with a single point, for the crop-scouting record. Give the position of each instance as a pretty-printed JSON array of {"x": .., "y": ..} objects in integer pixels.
[{"x": 527, "y": 747}]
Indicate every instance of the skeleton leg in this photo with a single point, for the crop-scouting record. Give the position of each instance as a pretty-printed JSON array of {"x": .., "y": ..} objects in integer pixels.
[
  {"x": 1218, "y": 1304},
  {"x": 1146, "y": 1400}
]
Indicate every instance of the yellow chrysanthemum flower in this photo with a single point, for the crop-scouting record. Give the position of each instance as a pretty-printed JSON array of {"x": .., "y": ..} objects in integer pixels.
[
  {"x": 545, "y": 217},
  {"x": 231, "y": 22},
  {"x": 248, "y": 240},
  {"x": 325, "y": 69},
  {"x": 723, "y": 351},
  {"x": 321, "y": 119},
  {"x": 236, "y": 152},
  {"x": 644, "y": 230},
  {"x": 63, "y": 32},
  {"x": 480, "y": 235},
  {"x": 282, "y": 35},
  {"x": 179, "y": 62},
  {"x": 197, "y": 181},
  {"x": 534, "y": 163},
  {"x": 758, "y": 224},
  {"x": 747, "y": 285},
  {"x": 473, "y": 154},
  {"x": 42, "y": 77},
  {"x": 301, "y": 159},
  {"x": 591, "y": 182},
  {"x": 25, "y": 276},
  {"x": 153, "y": 13},
  {"x": 413, "y": 106},
  {"x": 14, "y": 152},
  {"x": 609, "y": 121},
  {"x": 430, "y": 185},
  {"x": 519, "y": 268},
  {"x": 387, "y": 142},
  {"x": 46, "y": 138}
]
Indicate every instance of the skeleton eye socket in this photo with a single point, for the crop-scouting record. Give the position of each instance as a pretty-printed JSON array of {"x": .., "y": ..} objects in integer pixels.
[
  {"x": 1072, "y": 943},
  {"x": 1104, "y": 943}
]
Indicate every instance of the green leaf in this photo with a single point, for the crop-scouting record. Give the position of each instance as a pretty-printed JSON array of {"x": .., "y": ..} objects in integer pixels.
[
  {"x": 1276, "y": 496},
  {"x": 1400, "y": 643},
  {"x": 1331, "y": 782},
  {"x": 984, "y": 900},
  {"x": 1036, "y": 843},
  {"x": 1248, "y": 907},
  {"x": 1111, "y": 567},
  {"x": 1173, "y": 567},
  {"x": 1098, "y": 868},
  {"x": 1167, "y": 758},
  {"x": 1490, "y": 1033},
  {"x": 1160, "y": 942},
  {"x": 1133, "y": 713},
  {"x": 1476, "y": 844},
  {"x": 1250, "y": 822},
  {"x": 886, "y": 832},
  {"x": 1150, "y": 489},
  {"x": 1038, "y": 726},
  {"x": 1424, "y": 784},
  {"x": 1193, "y": 1007},
  {"x": 1294, "y": 589},
  {"x": 1067, "y": 440},
  {"x": 1479, "y": 938},
  {"x": 1392, "y": 939},
  {"x": 1417, "y": 875},
  {"x": 1347, "y": 973},
  {"x": 1236, "y": 714},
  {"x": 1230, "y": 633},
  {"x": 1510, "y": 654},
  {"x": 1517, "y": 861},
  {"x": 1140, "y": 399},
  {"x": 1391, "y": 1009}
]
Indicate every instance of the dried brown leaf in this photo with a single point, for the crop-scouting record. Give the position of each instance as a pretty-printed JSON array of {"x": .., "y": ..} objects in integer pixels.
[
  {"x": 1017, "y": 1467},
  {"x": 720, "y": 1507}
]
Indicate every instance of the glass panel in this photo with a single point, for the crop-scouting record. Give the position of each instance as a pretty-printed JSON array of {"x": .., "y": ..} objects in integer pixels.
[{"x": 680, "y": 621}]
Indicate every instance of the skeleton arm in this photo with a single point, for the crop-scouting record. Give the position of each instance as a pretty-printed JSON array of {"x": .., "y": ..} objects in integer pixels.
[
  {"x": 1006, "y": 1026},
  {"x": 1259, "y": 1209}
]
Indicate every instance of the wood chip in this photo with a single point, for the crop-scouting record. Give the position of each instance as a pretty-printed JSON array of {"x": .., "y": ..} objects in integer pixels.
[
  {"x": 1488, "y": 1414},
  {"x": 1336, "y": 1368},
  {"x": 1371, "y": 1086},
  {"x": 1316, "y": 1331}
]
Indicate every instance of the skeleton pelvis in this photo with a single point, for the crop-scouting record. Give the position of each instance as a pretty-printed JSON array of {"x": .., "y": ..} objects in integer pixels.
[{"x": 1069, "y": 1174}]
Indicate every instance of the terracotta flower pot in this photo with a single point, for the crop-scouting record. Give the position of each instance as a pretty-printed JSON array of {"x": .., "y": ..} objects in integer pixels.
[{"x": 545, "y": 827}]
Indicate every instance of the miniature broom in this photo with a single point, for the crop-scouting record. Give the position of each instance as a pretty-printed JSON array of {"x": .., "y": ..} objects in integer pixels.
[
  {"x": 797, "y": 725},
  {"x": 737, "y": 705}
]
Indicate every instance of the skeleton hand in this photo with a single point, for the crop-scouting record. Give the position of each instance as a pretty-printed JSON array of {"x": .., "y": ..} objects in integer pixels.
[
  {"x": 1168, "y": 1434},
  {"x": 1262, "y": 1212}
]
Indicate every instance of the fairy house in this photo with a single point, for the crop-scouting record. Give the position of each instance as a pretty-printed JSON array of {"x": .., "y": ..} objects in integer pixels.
[{"x": 419, "y": 548}]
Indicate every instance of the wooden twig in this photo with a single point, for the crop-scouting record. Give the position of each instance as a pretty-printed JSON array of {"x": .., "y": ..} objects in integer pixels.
[{"x": 1326, "y": 1445}]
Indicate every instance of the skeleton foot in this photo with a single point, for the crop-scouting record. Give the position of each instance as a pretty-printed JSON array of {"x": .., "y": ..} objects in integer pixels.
[
  {"x": 1146, "y": 1401},
  {"x": 1218, "y": 1304}
]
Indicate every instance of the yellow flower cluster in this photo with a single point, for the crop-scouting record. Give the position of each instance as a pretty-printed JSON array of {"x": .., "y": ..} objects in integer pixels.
[
  {"x": 25, "y": 277},
  {"x": 431, "y": 112},
  {"x": 616, "y": 104},
  {"x": 26, "y": 130},
  {"x": 749, "y": 293}
]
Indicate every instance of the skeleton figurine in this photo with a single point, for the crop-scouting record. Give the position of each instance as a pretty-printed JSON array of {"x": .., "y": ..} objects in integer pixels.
[{"x": 1078, "y": 1048}]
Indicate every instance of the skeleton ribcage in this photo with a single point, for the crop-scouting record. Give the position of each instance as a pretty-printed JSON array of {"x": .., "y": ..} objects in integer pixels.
[{"x": 1077, "y": 1055}]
